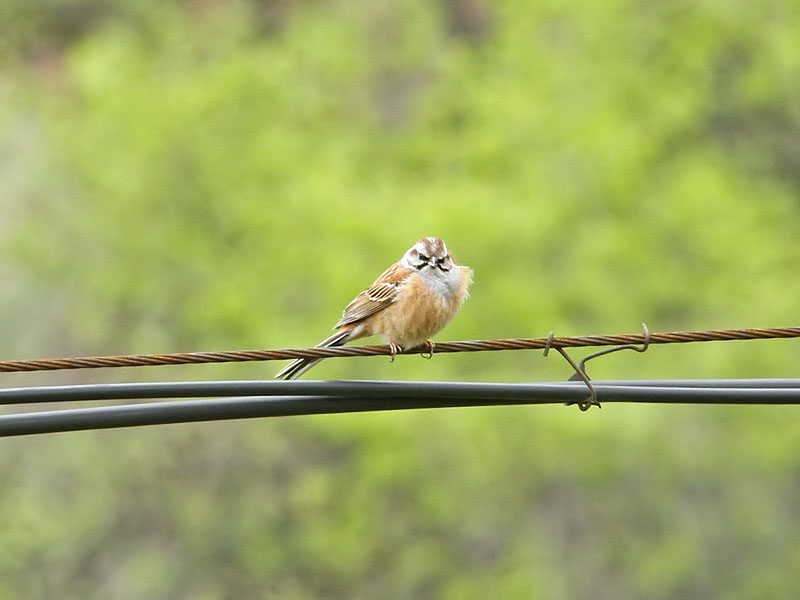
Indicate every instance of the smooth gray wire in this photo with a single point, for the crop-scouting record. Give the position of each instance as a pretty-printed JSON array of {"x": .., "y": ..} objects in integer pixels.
[
  {"x": 324, "y": 397},
  {"x": 200, "y": 389}
]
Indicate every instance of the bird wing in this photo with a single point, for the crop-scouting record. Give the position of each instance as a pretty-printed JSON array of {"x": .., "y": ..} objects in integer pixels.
[{"x": 377, "y": 296}]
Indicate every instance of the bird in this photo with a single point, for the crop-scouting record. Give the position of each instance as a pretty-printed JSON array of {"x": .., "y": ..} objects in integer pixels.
[{"x": 410, "y": 302}]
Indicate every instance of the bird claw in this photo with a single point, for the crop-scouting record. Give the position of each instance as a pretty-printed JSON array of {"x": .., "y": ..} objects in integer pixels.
[
  {"x": 431, "y": 345},
  {"x": 394, "y": 349}
]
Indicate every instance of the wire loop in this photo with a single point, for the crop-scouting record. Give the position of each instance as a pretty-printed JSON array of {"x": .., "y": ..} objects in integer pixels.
[{"x": 643, "y": 348}]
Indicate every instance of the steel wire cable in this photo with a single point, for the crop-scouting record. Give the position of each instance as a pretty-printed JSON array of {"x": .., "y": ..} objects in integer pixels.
[
  {"x": 218, "y": 400},
  {"x": 675, "y": 337}
]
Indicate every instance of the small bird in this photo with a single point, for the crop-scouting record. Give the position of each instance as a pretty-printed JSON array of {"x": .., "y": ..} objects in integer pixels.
[{"x": 411, "y": 301}]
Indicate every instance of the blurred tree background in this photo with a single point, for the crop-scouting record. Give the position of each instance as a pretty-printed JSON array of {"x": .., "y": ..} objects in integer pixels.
[{"x": 208, "y": 174}]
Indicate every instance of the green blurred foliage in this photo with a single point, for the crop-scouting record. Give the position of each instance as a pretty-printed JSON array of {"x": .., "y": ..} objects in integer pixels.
[{"x": 216, "y": 175}]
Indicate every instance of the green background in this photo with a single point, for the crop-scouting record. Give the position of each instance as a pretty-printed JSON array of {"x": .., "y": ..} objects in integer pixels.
[{"x": 209, "y": 175}]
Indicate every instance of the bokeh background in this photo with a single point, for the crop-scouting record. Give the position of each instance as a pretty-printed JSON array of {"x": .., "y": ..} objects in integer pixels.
[{"x": 207, "y": 175}]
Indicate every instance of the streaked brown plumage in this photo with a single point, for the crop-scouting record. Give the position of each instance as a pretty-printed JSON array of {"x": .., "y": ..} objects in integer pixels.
[{"x": 410, "y": 302}]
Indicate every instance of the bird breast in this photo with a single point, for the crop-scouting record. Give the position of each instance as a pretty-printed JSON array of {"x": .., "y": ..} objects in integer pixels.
[{"x": 424, "y": 305}]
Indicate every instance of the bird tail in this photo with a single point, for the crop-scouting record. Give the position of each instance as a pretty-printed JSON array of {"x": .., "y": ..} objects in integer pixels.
[{"x": 297, "y": 367}]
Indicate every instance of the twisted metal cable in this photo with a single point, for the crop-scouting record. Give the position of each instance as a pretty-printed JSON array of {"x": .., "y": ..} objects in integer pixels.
[{"x": 141, "y": 360}]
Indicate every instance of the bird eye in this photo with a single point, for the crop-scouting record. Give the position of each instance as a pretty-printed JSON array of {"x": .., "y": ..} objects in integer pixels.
[
  {"x": 423, "y": 258},
  {"x": 443, "y": 264}
]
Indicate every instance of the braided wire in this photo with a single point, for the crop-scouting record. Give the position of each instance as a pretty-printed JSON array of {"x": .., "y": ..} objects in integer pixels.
[{"x": 141, "y": 360}]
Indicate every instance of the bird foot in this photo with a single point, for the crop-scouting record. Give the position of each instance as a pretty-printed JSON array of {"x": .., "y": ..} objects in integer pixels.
[{"x": 394, "y": 349}]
